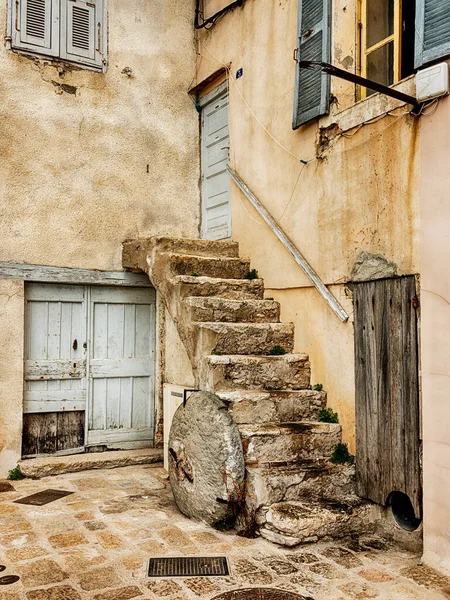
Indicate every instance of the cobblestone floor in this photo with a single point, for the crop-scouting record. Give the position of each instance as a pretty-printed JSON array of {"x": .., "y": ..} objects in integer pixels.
[{"x": 95, "y": 544}]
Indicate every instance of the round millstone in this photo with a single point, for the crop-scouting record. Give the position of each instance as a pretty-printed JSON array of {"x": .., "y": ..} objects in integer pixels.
[
  {"x": 260, "y": 594},
  {"x": 206, "y": 462}
]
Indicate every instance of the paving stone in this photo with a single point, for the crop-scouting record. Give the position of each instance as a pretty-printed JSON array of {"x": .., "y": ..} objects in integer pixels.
[
  {"x": 98, "y": 579},
  {"x": 243, "y": 566},
  {"x": 94, "y": 525},
  {"x": 14, "y": 525},
  {"x": 109, "y": 540},
  {"x": 67, "y": 540},
  {"x": 306, "y": 580},
  {"x": 259, "y": 577},
  {"x": 90, "y": 483},
  {"x": 41, "y": 572},
  {"x": 85, "y": 516},
  {"x": 303, "y": 558},
  {"x": 60, "y": 592},
  {"x": 375, "y": 575},
  {"x": 25, "y": 553},
  {"x": 281, "y": 567},
  {"x": 124, "y": 593},
  {"x": 342, "y": 556},
  {"x": 5, "y": 486},
  {"x": 201, "y": 586},
  {"x": 134, "y": 561},
  {"x": 164, "y": 587},
  {"x": 8, "y": 509},
  {"x": 426, "y": 576},
  {"x": 153, "y": 548},
  {"x": 18, "y": 540},
  {"x": 82, "y": 558},
  {"x": 327, "y": 571},
  {"x": 359, "y": 592},
  {"x": 175, "y": 537},
  {"x": 204, "y": 537}
]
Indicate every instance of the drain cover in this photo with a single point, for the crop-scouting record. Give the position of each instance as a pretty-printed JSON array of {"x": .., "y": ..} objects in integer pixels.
[
  {"x": 260, "y": 594},
  {"x": 9, "y": 579},
  {"x": 188, "y": 566},
  {"x": 44, "y": 497}
]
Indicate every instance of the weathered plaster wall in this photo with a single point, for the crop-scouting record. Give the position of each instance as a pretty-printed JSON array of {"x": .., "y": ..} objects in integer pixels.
[
  {"x": 11, "y": 373},
  {"x": 360, "y": 195},
  {"x": 117, "y": 159},
  {"x": 89, "y": 160},
  {"x": 435, "y": 342}
]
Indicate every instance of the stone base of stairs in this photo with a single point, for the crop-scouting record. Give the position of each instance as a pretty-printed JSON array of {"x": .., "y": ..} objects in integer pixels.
[
  {"x": 294, "y": 523},
  {"x": 57, "y": 465}
]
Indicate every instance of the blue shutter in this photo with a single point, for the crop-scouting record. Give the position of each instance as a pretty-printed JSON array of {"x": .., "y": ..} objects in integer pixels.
[
  {"x": 432, "y": 31},
  {"x": 312, "y": 87}
]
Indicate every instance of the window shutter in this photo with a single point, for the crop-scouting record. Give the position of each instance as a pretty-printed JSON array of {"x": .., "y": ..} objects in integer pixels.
[
  {"x": 36, "y": 25},
  {"x": 432, "y": 31},
  {"x": 312, "y": 87},
  {"x": 82, "y": 31}
]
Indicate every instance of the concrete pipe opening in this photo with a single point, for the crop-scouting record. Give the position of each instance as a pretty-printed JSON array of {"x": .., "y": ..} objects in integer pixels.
[{"x": 403, "y": 511}]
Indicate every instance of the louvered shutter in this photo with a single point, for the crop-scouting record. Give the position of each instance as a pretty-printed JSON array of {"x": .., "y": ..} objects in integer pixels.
[
  {"x": 312, "y": 87},
  {"x": 432, "y": 31},
  {"x": 82, "y": 31},
  {"x": 36, "y": 26}
]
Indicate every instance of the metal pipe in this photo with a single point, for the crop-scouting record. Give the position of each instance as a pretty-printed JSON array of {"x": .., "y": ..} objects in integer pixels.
[{"x": 213, "y": 19}]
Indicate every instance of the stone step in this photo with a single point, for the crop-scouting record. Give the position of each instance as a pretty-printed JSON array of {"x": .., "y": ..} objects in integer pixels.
[
  {"x": 297, "y": 482},
  {"x": 207, "y": 266},
  {"x": 293, "y": 523},
  {"x": 290, "y": 442},
  {"x": 243, "y": 338},
  {"x": 274, "y": 407},
  {"x": 223, "y": 310},
  {"x": 233, "y": 289},
  {"x": 57, "y": 465},
  {"x": 136, "y": 252},
  {"x": 269, "y": 373}
]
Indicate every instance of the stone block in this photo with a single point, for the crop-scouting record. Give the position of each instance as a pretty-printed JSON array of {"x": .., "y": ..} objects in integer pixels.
[{"x": 223, "y": 310}]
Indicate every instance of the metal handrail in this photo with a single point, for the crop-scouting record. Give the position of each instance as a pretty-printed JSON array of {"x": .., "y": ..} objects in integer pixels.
[{"x": 288, "y": 244}]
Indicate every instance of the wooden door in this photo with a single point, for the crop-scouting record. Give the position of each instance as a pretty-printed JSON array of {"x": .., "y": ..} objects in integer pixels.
[
  {"x": 216, "y": 209},
  {"x": 55, "y": 368},
  {"x": 121, "y": 367},
  {"x": 387, "y": 390}
]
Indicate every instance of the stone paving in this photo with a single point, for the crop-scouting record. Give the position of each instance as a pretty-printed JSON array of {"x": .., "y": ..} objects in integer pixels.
[{"x": 95, "y": 544}]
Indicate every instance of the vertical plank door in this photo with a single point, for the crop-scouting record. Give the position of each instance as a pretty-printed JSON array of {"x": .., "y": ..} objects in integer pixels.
[
  {"x": 216, "y": 209},
  {"x": 121, "y": 367},
  {"x": 387, "y": 390},
  {"x": 55, "y": 368}
]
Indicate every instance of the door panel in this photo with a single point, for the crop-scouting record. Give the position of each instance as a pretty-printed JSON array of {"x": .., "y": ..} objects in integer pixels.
[
  {"x": 216, "y": 211},
  {"x": 121, "y": 368},
  {"x": 387, "y": 390}
]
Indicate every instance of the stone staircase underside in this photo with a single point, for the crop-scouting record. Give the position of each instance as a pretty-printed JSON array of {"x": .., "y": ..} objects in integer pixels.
[{"x": 293, "y": 493}]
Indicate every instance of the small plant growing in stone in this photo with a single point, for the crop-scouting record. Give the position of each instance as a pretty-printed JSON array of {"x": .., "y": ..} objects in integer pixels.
[
  {"x": 15, "y": 474},
  {"x": 341, "y": 455},
  {"x": 269, "y": 298},
  {"x": 195, "y": 275},
  {"x": 327, "y": 415},
  {"x": 253, "y": 274},
  {"x": 318, "y": 387},
  {"x": 277, "y": 351}
]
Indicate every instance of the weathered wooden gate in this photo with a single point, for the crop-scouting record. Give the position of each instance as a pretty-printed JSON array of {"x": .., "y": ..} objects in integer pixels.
[{"x": 387, "y": 390}]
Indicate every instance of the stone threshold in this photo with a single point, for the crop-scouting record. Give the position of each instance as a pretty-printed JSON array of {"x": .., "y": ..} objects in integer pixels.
[{"x": 57, "y": 465}]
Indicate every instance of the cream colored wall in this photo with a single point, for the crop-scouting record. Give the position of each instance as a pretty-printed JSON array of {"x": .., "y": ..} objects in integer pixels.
[
  {"x": 11, "y": 373},
  {"x": 360, "y": 195},
  {"x": 81, "y": 172},
  {"x": 118, "y": 159},
  {"x": 435, "y": 346}
]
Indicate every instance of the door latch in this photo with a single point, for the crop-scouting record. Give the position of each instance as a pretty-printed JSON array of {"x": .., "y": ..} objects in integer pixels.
[{"x": 75, "y": 344}]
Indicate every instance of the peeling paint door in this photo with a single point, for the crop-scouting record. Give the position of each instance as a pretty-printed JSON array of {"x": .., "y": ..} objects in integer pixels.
[
  {"x": 216, "y": 208},
  {"x": 55, "y": 368},
  {"x": 121, "y": 367}
]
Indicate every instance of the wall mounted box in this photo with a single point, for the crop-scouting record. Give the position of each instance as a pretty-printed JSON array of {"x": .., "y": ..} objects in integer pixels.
[{"x": 432, "y": 82}]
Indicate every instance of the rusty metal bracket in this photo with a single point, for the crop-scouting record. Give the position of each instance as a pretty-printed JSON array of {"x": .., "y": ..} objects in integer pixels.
[{"x": 357, "y": 79}]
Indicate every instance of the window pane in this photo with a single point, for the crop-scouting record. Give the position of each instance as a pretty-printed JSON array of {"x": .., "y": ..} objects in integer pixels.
[
  {"x": 380, "y": 20},
  {"x": 380, "y": 65}
]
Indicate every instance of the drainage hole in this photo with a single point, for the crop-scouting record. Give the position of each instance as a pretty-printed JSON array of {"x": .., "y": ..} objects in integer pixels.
[{"x": 403, "y": 511}]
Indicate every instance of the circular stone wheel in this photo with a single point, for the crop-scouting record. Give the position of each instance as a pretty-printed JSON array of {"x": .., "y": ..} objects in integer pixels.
[
  {"x": 206, "y": 462},
  {"x": 260, "y": 594}
]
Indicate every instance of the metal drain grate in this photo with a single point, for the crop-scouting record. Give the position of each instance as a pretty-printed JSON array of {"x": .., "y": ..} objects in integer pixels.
[
  {"x": 188, "y": 566},
  {"x": 44, "y": 497},
  {"x": 260, "y": 594}
]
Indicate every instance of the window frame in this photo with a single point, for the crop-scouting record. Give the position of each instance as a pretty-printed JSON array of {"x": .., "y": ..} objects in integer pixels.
[
  {"x": 58, "y": 58},
  {"x": 364, "y": 51}
]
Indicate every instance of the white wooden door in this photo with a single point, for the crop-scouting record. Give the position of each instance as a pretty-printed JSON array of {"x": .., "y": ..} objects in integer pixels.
[
  {"x": 121, "y": 367},
  {"x": 216, "y": 209},
  {"x": 55, "y": 348}
]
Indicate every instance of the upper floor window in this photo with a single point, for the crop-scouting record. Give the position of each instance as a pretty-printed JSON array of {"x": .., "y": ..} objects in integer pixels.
[
  {"x": 72, "y": 30},
  {"x": 387, "y": 40}
]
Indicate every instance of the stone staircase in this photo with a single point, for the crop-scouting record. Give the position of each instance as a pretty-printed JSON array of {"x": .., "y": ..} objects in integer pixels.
[{"x": 293, "y": 493}]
